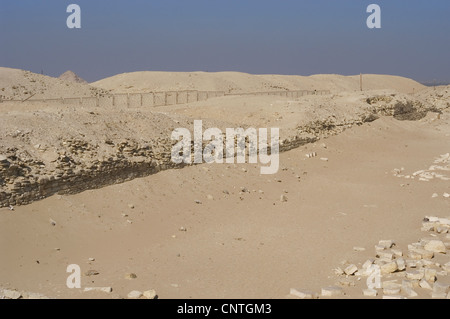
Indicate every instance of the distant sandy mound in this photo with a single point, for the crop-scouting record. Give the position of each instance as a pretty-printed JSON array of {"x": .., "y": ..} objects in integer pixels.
[
  {"x": 236, "y": 82},
  {"x": 18, "y": 84},
  {"x": 71, "y": 77},
  {"x": 438, "y": 96}
]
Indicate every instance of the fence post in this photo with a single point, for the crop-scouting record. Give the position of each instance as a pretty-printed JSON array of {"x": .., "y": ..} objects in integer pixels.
[{"x": 360, "y": 81}]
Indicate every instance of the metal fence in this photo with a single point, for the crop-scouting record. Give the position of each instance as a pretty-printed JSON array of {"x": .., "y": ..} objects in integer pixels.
[{"x": 150, "y": 99}]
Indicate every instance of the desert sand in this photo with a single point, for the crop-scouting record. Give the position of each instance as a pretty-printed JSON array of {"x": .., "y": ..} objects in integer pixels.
[
  {"x": 371, "y": 166},
  {"x": 236, "y": 82}
]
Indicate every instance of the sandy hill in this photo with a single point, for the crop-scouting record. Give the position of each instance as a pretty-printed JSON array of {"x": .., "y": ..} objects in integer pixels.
[
  {"x": 18, "y": 84},
  {"x": 70, "y": 76},
  {"x": 235, "y": 82}
]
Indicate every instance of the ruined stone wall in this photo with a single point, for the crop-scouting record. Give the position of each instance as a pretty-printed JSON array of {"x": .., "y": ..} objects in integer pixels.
[{"x": 78, "y": 166}]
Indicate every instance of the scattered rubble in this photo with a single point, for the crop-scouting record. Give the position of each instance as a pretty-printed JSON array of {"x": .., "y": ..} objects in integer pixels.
[{"x": 409, "y": 275}]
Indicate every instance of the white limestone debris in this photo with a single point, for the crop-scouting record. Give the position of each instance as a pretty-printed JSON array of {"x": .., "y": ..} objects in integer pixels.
[
  {"x": 303, "y": 294},
  {"x": 350, "y": 270},
  {"x": 423, "y": 268},
  {"x": 134, "y": 294},
  {"x": 332, "y": 291}
]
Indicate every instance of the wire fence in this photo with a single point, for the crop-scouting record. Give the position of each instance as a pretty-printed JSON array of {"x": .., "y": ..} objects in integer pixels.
[{"x": 153, "y": 99}]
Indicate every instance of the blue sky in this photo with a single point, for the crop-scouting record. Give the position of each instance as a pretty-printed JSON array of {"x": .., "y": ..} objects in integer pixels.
[{"x": 256, "y": 36}]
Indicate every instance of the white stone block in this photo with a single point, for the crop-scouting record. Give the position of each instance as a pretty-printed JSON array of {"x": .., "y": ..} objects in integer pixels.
[
  {"x": 389, "y": 268},
  {"x": 135, "y": 294},
  {"x": 303, "y": 294},
  {"x": 401, "y": 265},
  {"x": 414, "y": 274},
  {"x": 332, "y": 291},
  {"x": 435, "y": 246},
  {"x": 386, "y": 243},
  {"x": 350, "y": 270}
]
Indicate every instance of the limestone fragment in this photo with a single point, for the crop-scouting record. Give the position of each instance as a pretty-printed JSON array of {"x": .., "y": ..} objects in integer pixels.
[
  {"x": 135, "y": 294},
  {"x": 425, "y": 285},
  {"x": 332, "y": 291},
  {"x": 150, "y": 294},
  {"x": 338, "y": 271},
  {"x": 430, "y": 275},
  {"x": 350, "y": 270},
  {"x": 11, "y": 294},
  {"x": 436, "y": 246},
  {"x": 421, "y": 254},
  {"x": 389, "y": 268},
  {"x": 385, "y": 255},
  {"x": 408, "y": 283},
  {"x": 401, "y": 264},
  {"x": 367, "y": 263},
  {"x": 386, "y": 243},
  {"x": 397, "y": 252},
  {"x": 303, "y": 294},
  {"x": 391, "y": 290},
  {"x": 439, "y": 287},
  {"x": 409, "y": 292},
  {"x": 446, "y": 267},
  {"x": 414, "y": 275},
  {"x": 438, "y": 295}
]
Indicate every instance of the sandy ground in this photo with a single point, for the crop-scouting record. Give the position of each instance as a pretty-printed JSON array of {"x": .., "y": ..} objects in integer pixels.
[{"x": 241, "y": 244}]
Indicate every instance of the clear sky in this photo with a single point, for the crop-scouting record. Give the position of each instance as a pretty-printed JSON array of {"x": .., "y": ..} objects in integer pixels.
[{"x": 256, "y": 36}]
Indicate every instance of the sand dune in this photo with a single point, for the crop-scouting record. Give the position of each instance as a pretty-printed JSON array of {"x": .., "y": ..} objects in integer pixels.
[
  {"x": 235, "y": 82},
  {"x": 21, "y": 84}
]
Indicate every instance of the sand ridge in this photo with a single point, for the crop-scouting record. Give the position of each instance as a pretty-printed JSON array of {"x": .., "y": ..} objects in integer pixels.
[{"x": 236, "y": 82}]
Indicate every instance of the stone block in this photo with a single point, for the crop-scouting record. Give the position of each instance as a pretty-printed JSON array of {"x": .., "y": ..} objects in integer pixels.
[{"x": 332, "y": 291}]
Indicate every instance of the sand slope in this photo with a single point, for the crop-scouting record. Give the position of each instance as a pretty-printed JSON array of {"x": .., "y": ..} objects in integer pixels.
[
  {"x": 234, "y": 82},
  {"x": 18, "y": 84},
  {"x": 238, "y": 244}
]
